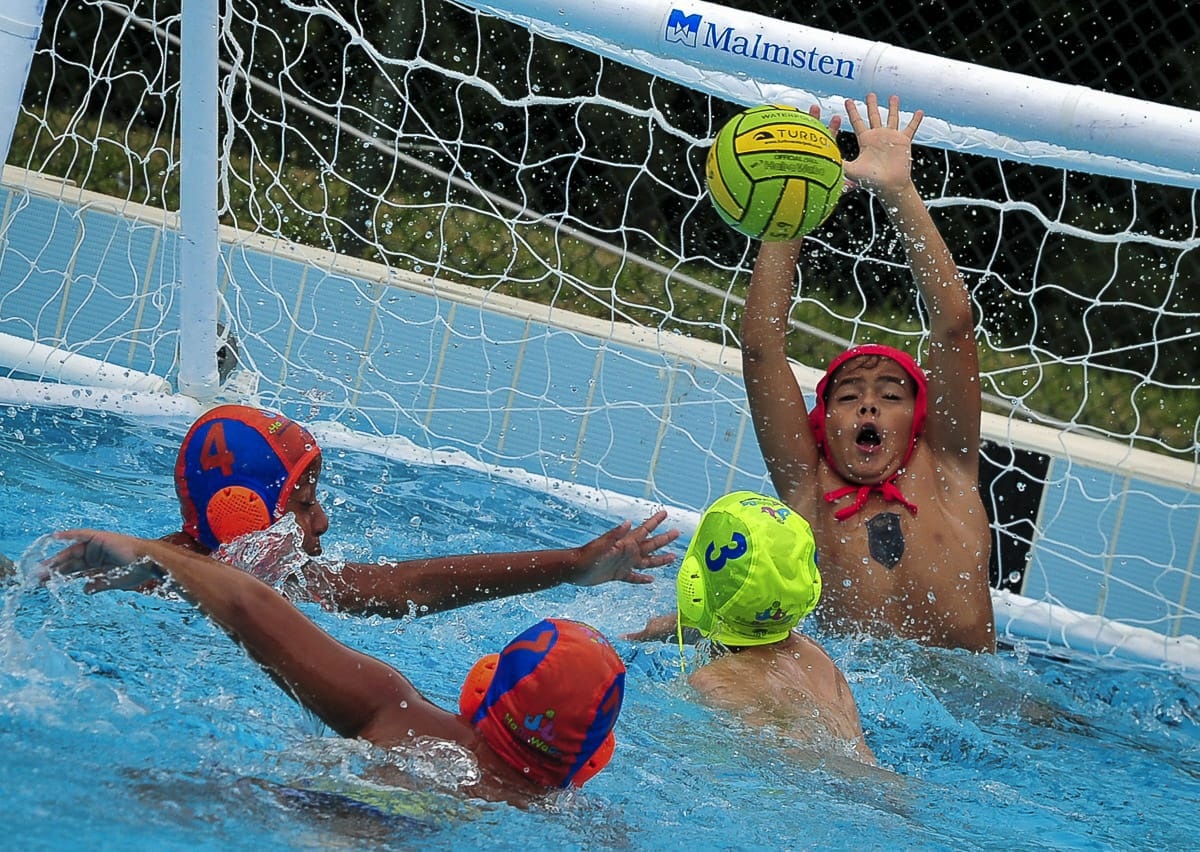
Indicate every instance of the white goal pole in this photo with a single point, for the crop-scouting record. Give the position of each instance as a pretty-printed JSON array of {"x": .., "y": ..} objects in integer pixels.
[
  {"x": 199, "y": 236},
  {"x": 20, "y": 23},
  {"x": 750, "y": 58},
  {"x": 47, "y": 362}
]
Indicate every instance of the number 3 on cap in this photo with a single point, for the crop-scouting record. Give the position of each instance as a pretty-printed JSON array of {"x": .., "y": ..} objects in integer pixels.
[
  {"x": 735, "y": 550},
  {"x": 214, "y": 453}
]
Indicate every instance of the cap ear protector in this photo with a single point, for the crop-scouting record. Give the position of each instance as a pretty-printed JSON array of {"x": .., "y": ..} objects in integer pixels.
[
  {"x": 234, "y": 511},
  {"x": 479, "y": 678}
]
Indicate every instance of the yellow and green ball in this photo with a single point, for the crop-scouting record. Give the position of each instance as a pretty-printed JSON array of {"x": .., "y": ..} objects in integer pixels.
[{"x": 774, "y": 173}]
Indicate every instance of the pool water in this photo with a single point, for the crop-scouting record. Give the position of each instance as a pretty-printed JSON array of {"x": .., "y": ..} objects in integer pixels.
[{"x": 128, "y": 721}]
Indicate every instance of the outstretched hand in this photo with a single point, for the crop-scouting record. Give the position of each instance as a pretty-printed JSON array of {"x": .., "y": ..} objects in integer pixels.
[
  {"x": 884, "y": 161},
  {"x": 93, "y": 551},
  {"x": 624, "y": 552},
  {"x": 109, "y": 561}
]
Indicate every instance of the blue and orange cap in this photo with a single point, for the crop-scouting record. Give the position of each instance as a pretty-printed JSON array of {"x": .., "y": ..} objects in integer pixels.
[
  {"x": 236, "y": 469},
  {"x": 548, "y": 702}
]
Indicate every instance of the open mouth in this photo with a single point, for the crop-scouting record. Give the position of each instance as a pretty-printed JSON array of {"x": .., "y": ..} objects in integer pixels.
[{"x": 868, "y": 436}]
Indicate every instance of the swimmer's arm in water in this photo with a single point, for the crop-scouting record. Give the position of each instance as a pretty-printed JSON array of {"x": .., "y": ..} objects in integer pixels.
[
  {"x": 356, "y": 695},
  {"x": 430, "y": 585},
  {"x": 137, "y": 576},
  {"x": 662, "y": 628},
  {"x": 658, "y": 628}
]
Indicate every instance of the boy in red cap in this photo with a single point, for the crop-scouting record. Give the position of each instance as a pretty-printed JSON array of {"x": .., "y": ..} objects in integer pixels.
[
  {"x": 549, "y": 706},
  {"x": 240, "y": 469},
  {"x": 886, "y": 466}
]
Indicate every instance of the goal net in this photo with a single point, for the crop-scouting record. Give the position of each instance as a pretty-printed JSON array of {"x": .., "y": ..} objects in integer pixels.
[{"x": 486, "y": 229}]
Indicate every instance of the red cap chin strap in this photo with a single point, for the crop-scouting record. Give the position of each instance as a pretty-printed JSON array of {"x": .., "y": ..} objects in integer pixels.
[
  {"x": 816, "y": 419},
  {"x": 888, "y": 489}
]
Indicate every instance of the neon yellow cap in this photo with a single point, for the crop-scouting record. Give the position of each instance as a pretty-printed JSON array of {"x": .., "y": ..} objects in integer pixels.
[{"x": 750, "y": 573}]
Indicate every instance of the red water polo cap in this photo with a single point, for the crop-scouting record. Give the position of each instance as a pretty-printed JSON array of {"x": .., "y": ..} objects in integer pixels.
[{"x": 548, "y": 702}]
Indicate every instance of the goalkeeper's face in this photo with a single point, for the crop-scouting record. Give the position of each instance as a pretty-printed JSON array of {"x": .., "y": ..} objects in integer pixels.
[{"x": 869, "y": 415}]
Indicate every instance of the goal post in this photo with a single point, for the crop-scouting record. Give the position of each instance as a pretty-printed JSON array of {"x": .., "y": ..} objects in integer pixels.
[
  {"x": 20, "y": 23},
  {"x": 198, "y": 174},
  {"x": 751, "y": 59}
]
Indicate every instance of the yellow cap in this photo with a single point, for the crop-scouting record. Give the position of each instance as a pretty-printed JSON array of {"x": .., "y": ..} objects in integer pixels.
[{"x": 750, "y": 573}]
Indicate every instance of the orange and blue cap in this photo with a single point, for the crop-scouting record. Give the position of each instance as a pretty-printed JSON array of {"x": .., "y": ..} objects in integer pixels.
[
  {"x": 236, "y": 469},
  {"x": 548, "y": 702}
]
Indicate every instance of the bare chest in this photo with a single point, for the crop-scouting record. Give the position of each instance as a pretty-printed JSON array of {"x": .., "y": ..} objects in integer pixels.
[{"x": 885, "y": 554}]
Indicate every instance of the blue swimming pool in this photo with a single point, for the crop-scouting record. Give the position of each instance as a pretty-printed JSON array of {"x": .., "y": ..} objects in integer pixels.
[{"x": 129, "y": 721}]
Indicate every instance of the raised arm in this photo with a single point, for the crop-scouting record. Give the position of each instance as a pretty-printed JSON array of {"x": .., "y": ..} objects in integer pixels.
[
  {"x": 356, "y": 695},
  {"x": 884, "y": 165},
  {"x": 430, "y": 585},
  {"x": 777, "y": 404},
  {"x": 776, "y": 401}
]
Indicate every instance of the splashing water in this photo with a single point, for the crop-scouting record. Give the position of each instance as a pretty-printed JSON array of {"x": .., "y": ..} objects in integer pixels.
[{"x": 159, "y": 731}]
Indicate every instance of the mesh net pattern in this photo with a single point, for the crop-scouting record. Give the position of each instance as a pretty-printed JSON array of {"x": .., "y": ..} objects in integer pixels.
[{"x": 423, "y": 137}]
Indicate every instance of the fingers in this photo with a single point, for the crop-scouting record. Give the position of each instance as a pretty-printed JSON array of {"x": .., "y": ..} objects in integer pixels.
[
  {"x": 73, "y": 560},
  {"x": 658, "y": 627},
  {"x": 641, "y": 533},
  {"x": 90, "y": 551},
  {"x": 875, "y": 119},
  {"x": 893, "y": 119},
  {"x": 659, "y": 560},
  {"x": 618, "y": 532},
  {"x": 651, "y": 523},
  {"x": 659, "y": 541},
  {"x": 72, "y": 554},
  {"x": 911, "y": 130},
  {"x": 651, "y": 543},
  {"x": 856, "y": 122},
  {"x": 873, "y": 110},
  {"x": 625, "y": 549}
]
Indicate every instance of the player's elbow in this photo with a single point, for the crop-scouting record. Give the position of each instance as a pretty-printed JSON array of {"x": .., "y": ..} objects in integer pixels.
[{"x": 755, "y": 353}]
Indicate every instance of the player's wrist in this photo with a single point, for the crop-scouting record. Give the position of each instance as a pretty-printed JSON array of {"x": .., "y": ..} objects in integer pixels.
[{"x": 896, "y": 197}]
